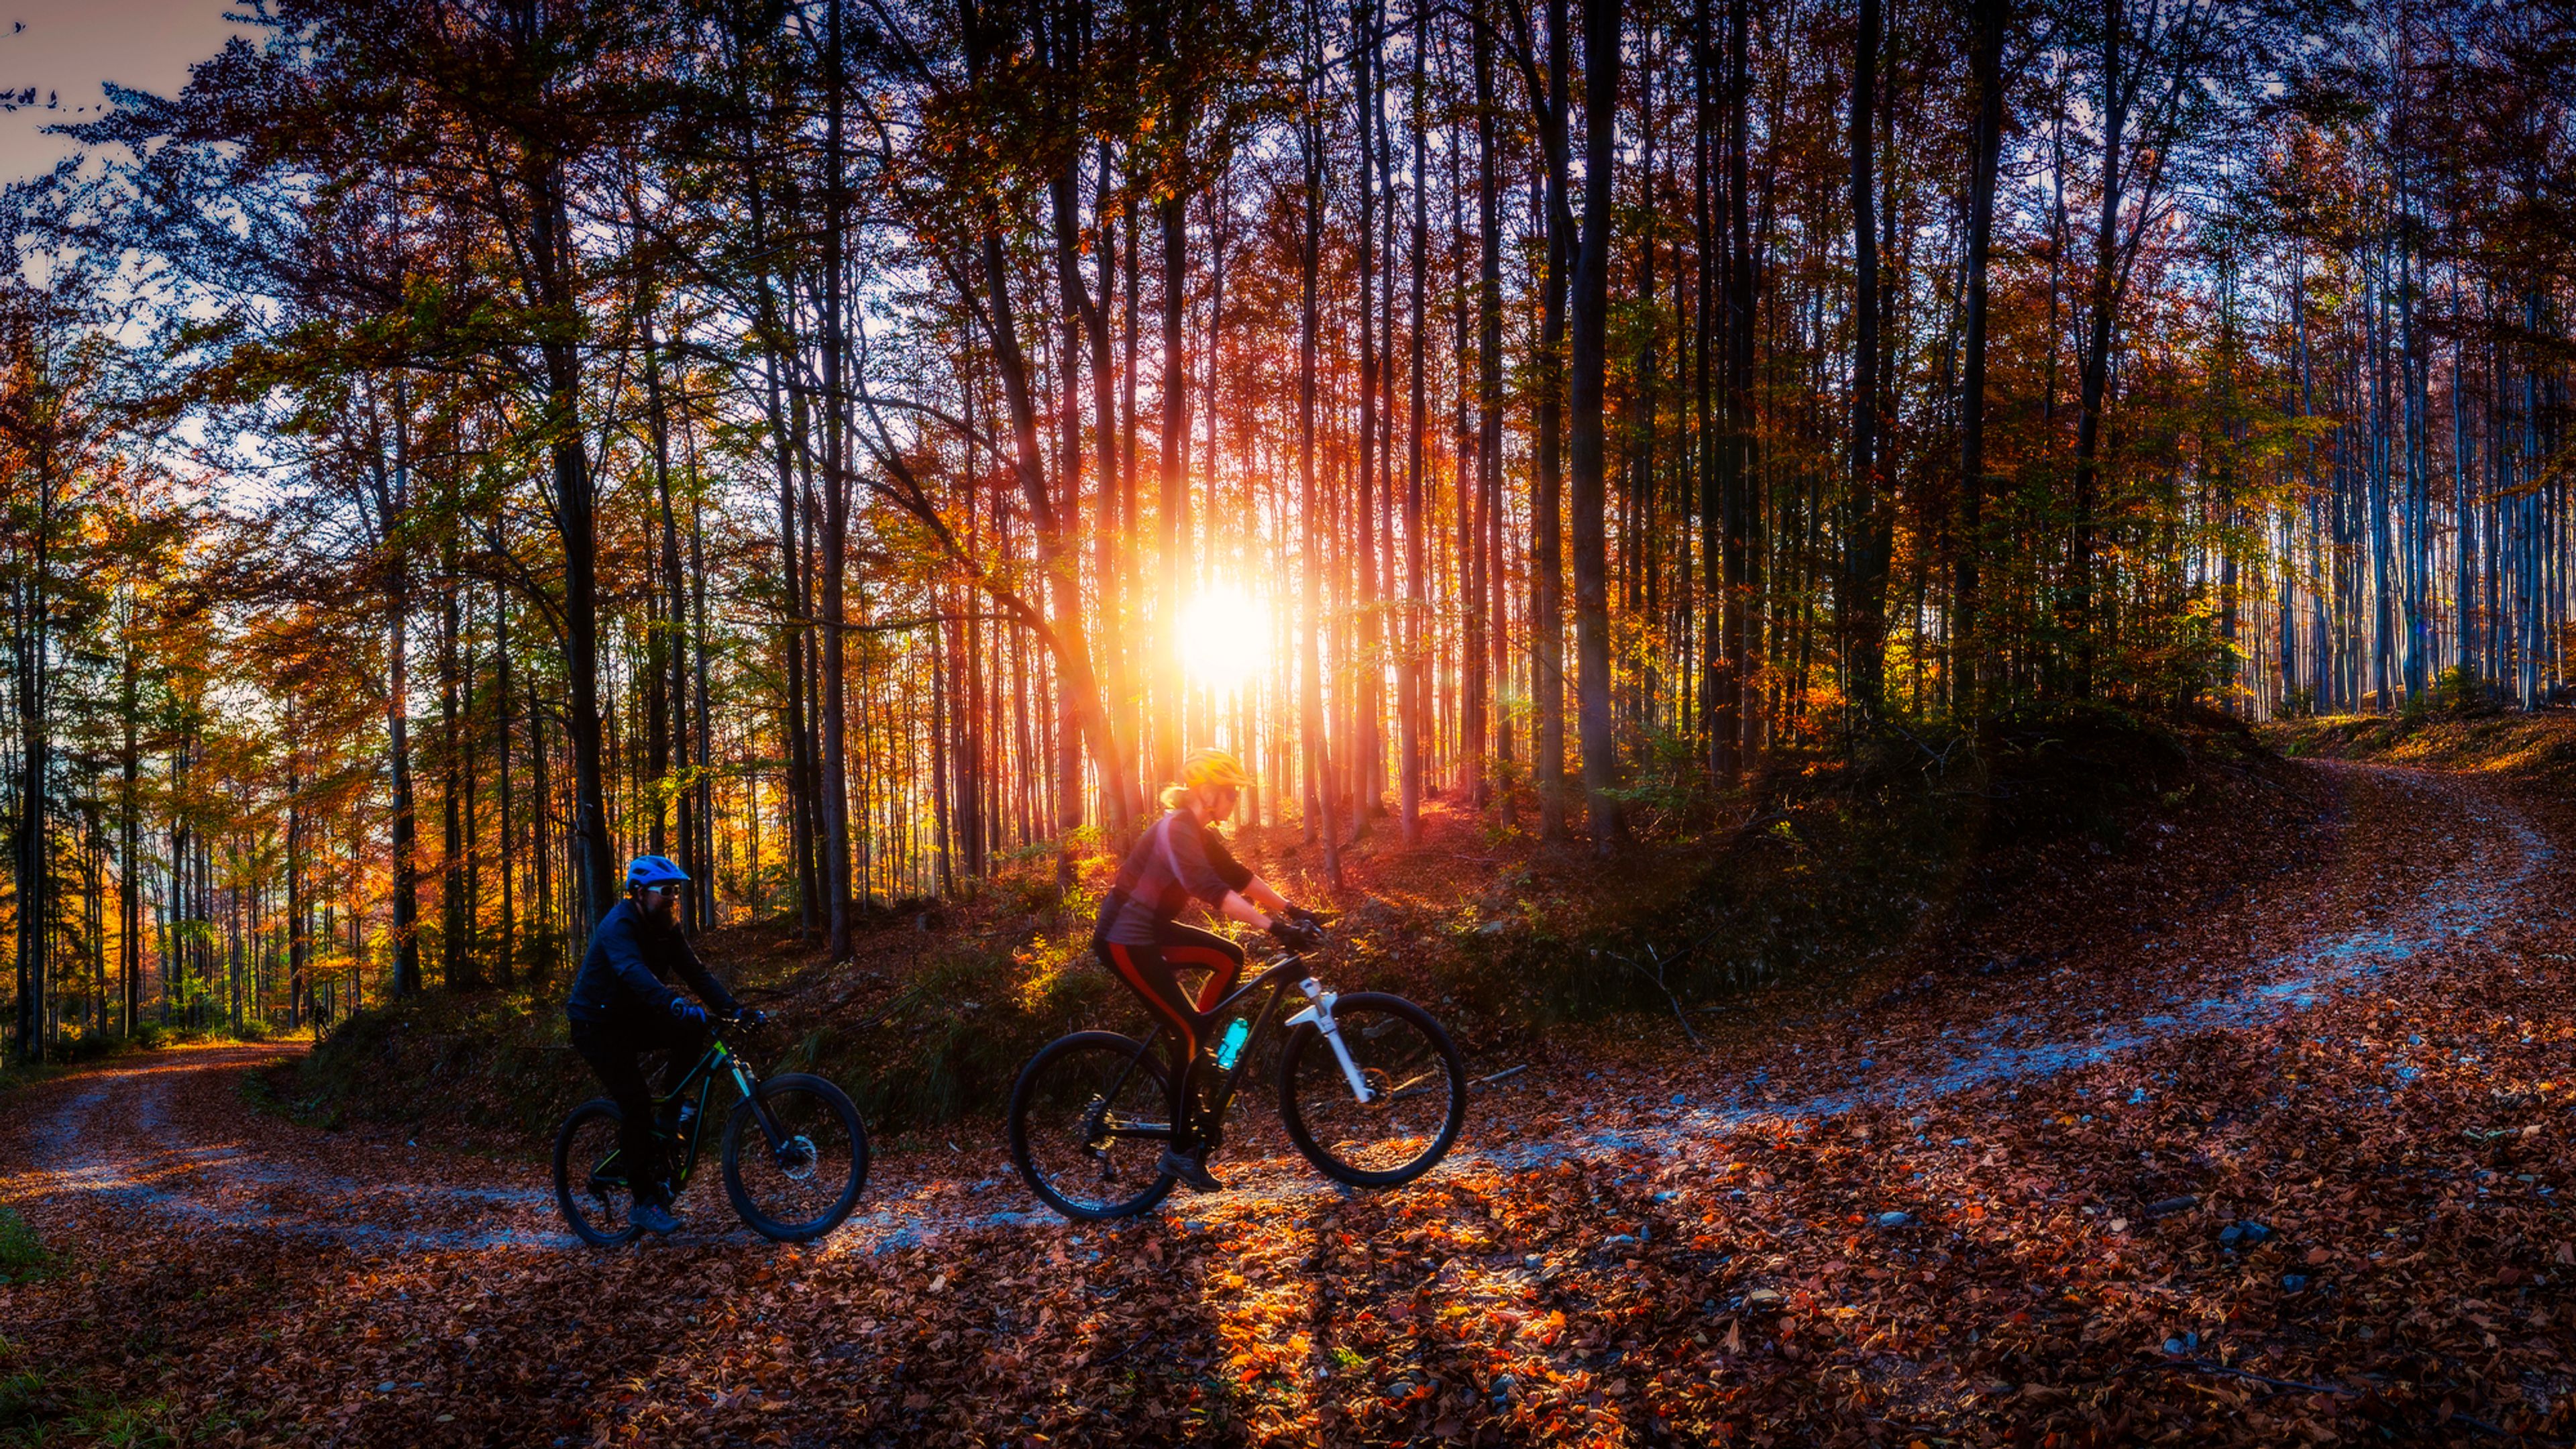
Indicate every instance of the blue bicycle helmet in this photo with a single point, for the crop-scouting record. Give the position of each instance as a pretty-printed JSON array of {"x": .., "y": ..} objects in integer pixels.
[{"x": 647, "y": 871}]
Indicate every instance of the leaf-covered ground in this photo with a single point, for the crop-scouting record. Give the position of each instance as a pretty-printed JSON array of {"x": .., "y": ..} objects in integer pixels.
[{"x": 2283, "y": 1161}]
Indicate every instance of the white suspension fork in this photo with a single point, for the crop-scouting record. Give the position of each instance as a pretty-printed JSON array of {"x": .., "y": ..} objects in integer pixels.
[{"x": 1319, "y": 1011}]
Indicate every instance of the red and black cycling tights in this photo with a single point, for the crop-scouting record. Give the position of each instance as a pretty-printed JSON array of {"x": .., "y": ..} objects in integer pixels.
[{"x": 1154, "y": 973}]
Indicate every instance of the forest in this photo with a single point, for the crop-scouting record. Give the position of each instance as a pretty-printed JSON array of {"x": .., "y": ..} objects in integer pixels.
[
  {"x": 1931, "y": 637},
  {"x": 846, "y": 445}
]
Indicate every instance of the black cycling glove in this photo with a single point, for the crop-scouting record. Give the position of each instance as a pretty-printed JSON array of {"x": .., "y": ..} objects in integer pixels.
[{"x": 1298, "y": 935}]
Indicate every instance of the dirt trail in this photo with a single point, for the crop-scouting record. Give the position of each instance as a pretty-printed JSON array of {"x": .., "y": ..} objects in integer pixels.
[
  {"x": 2007, "y": 1204},
  {"x": 170, "y": 1135}
]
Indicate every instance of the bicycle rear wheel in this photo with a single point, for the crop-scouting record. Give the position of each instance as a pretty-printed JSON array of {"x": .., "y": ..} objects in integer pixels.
[
  {"x": 1417, "y": 1092},
  {"x": 803, "y": 1185},
  {"x": 1090, "y": 1117},
  {"x": 590, "y": 1182}
]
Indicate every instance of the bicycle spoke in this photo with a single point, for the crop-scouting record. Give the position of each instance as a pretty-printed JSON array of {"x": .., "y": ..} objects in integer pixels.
[
  {"x": 1090, "y": 1126},
  {"x": 1412, "y": 1092},
  {"x": 590, "y": 1176},
  {"x": 798, "y": 1182}
]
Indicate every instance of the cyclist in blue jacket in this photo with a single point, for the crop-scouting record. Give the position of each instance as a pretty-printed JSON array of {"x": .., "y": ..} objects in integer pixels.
[{"x": 623, "y": 1005}]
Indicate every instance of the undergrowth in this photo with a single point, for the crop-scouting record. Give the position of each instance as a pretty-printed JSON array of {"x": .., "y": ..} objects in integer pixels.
[
  {"x": 2471, "y": 734},
  {"x": 1825, "y": 869},
  {"x": 1831, "y": 866},
  {"x": 22, "y": 1255},
  {"x": 74, "y": 1050},
  {"x": 38, "y": 1410}
]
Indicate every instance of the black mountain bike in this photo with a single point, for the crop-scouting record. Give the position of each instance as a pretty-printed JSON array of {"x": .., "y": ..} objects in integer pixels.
[
  {"x": 1371, "y": 1091},
  {"x": 795, "y": 1156}
]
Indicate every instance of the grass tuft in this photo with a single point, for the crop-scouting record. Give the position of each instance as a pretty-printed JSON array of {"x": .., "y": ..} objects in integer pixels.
[{"x": 22, "y": 1255}]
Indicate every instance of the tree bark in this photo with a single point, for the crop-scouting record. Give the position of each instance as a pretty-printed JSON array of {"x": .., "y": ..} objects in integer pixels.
[
  {"x": 1414, "y": 681},
  {"x": 1590, "y": 368},
  {"x": 1986, "y": 74},
  {"x": 1547, "y": 598},
  {"x": 834, "y": 540},
  {"x": 1865, "y": 565}
]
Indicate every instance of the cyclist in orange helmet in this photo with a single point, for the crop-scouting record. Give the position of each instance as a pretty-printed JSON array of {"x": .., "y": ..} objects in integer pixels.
[{"x": 1139, "y": 935}]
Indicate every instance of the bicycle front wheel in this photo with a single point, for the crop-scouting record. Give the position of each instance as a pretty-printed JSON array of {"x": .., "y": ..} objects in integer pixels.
[
  {"x": 590, "y": 1178},
  {"x": 802, "y": 1182},
  {"x": 1090, "y": 1118},
  {"x": 1417, "y": 1092}
]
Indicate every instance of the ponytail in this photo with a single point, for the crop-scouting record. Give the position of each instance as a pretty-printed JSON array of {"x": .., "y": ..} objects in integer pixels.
[{"x": 1175, "y": 796}]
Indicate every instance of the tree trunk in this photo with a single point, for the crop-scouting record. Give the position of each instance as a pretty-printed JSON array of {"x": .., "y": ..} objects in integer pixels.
[
  {"x": 2095, "y": 383},
  {"x": 1415, "y": 682},
  {"x": 1865, "y": 565},
  {"x": 1547, "y": 599},
  {"x": 1986, "y": 144},
  {"x": 455, "y": 946},
  {"x": 1590, "y": 367},
  {"x": 834, "y": 541},
  {"x": 1173, "y": 212},
  {"x": 1318, "y": 755},
  {"x": 129, "y": 829},
  {"x": 393, "y": 495},
  {"x": 505, "y": 962},
  {"x": 1489, "y": 410}
]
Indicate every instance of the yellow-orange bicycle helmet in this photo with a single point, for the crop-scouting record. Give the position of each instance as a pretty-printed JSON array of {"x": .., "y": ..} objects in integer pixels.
[{"x": 1206, "y": 770}]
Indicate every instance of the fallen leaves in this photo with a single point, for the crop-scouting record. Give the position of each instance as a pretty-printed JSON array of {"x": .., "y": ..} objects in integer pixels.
[{"x": 2010, "y": 1263}]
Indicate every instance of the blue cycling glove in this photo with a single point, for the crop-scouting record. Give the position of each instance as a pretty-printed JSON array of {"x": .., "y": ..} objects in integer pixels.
[{"x": 685, "y": 1010}]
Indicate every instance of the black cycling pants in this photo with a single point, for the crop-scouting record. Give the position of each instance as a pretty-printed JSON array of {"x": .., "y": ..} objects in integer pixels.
[
  {"x": 1154, "y": 973},
  {"x": 615, "y": 1050}
]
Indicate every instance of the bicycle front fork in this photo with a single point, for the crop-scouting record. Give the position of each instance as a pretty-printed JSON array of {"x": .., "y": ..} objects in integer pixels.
[{"x": 1319, "y": 1012}]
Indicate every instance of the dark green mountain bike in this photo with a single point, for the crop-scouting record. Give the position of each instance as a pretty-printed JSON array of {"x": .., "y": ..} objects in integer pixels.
[{"x": 795, "y": 1156}]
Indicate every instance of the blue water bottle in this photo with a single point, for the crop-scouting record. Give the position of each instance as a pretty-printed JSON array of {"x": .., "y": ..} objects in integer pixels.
[{"x": 1232, "y": 1047}]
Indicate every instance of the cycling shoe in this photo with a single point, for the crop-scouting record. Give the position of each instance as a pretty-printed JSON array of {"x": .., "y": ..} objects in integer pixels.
[
  {"x": 1191, "y": 1170},
  {"x": 652, "y": 1217}
]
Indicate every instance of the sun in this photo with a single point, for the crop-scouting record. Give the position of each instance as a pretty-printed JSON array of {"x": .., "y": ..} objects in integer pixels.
[{"x": 1224, "y": 638}]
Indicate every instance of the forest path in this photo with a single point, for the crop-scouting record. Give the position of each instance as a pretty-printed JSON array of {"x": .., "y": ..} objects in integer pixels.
[
  {"x": 172, "y": 1134},
  {"x": 1993, "y": 1206}
]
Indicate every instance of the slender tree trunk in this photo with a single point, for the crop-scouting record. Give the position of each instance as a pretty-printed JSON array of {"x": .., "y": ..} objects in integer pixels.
[
  {"x": 1590, "y": 368},
  {"x": 2095, "y": 378},
  {"x": 1721, "y": 683},
  {"x": 1414, "y": 683},
  {"x": 1489, "y": 402},
  {"x": 576, "y": 525},
  {"x": 1547, "y": 599},
  {"x": 129, "y": 829},
  {"x": 834, "y": 542},
  {"x": 393, "y": 493},
  {"x": 506, "y": 960},
  {"x": 1311, "y": 520},
  {"x": 455, "y": 948},
  {"x": 33, "y": 603},
  {"x": 1746, "y": 522},
  {"x": 1173, "y": 211},
  {"x": 1863, "y": 596},
  {"x": 670, "y": 749},
  {"x": 1986, "y": 71}
]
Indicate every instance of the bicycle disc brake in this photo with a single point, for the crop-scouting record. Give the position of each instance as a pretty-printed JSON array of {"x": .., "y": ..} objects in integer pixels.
[{"x": 796, "y": 1157}]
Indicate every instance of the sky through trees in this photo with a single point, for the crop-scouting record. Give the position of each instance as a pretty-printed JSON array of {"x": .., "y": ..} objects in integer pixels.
[{"x": 447, "y": 450}]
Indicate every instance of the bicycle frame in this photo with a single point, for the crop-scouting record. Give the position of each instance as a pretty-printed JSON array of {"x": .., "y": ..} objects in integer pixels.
[
  {"x": 717, "y": 1058},
  {"x": 1317, "y": 1012}
]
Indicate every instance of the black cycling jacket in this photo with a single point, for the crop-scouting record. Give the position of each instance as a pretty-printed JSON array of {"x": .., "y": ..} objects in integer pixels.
[{"x": 629, "y": 966}]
